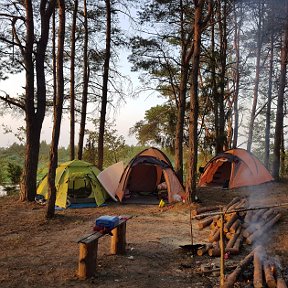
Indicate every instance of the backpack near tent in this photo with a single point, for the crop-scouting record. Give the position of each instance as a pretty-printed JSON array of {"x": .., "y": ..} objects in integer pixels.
[
  {"x": 145, "y": 172},
  {"x": 234, "y": 168},
  {"x": 76, "y": 181}
]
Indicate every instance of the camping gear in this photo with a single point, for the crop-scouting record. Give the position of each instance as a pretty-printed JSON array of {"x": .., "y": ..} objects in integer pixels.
[
  {"x": 145, "y": 172},
  {"x": 234, "y": 168},
  {"x": 106, "y": 221},
  {"x": 110, "y": 177},
  {"x": 76, "y": 182}
]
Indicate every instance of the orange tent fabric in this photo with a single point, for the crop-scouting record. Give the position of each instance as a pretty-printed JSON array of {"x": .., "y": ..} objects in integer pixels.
[
  {"x": 234, "y": 168},
  {"x": 147, "y": 170}
]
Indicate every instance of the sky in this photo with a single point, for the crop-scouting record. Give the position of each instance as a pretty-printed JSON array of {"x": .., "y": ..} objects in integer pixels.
[{"x": 126, "y": 115}]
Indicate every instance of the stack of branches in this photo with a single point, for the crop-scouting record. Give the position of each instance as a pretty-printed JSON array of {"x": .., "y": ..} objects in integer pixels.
[
  {"x": 239, "y": 225},
  {"x": 265, "y": 271}
]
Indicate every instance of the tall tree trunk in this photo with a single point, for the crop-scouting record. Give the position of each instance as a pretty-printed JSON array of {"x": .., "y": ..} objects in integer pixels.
[
  {"x": 280, "y": 102},
  {"x": 34, "y": 119},
  {"x": 220, "y": 132},
  {"x": 181, "y": 105},
  {"x": 58, "y": 105},
  {"x": 105, "y": 87},
  {"x": 237, "y": 29},
  {"x": 85, "y": 86},
  {"x": 257, "y": 76},
  {"x": 72, "y": 82},
  {"x": 269, "y": 100},
  {"x": 198, "y": 25}
]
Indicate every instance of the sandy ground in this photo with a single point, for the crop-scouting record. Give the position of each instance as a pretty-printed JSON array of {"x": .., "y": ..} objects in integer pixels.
[{"x": 40, "y": 253}]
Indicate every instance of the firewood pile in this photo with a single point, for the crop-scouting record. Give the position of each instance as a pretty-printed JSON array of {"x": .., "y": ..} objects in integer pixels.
[
  {"x": 239, "y": 225},
  {"x": 257, "y": 269}
]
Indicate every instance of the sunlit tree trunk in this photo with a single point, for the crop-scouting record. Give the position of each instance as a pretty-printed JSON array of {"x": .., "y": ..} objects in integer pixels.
[
  {"x": 186, "y": 54},
  {"x": 257, "y": 75},
  {"x": 198, "y": 26},
  {"x": 105, "y": 87},
  {"x": 58, "y": 106},
  {"x": 220, "y": 130},
  {"x": 85, "y": 85},
  {"x": 34, "y": 108},
  {"x": 237, "y": 29},
  {"x": 72, "y": 82},
  {"x": 280, "y": 103},
  {"x": 269, "y": 100}
]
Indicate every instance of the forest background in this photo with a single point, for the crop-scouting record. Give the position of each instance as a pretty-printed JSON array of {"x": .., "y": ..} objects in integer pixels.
[{"x": 220, "y": 67}]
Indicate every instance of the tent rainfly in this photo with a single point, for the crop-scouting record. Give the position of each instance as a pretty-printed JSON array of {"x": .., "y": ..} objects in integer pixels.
[
  {"x": 234, "y": 168},
  {"x": 145, "y": 172},
  {"x": 75, "y": 181}
]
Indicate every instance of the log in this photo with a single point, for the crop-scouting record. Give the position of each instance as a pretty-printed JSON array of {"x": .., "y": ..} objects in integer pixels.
[
  {"x": 228, "y": 224},
  {"x": 118, "y": 240},
  {"x": 233, "y": 239},
  {"x": 204, "y": 223},
  {"x": 258, "y": 233},
  {"x": 248, "y": 216},
  {"x": 259, "y": 253},
  {"x": 232, "y": 277},
  {"x": 215, "y": 247},
  {"x": 238, "y": 242},
  {"x": 216, "y": 252},
  {"x": 202, "y": 251},
  {"x": 269, "y": 278},
  {"x": 200, "y": 210},
  {"x": 259, "y": 225},
  {"x": 215, "y": 237},
  {"x": 258, "y": 215},
  {"x": 278, "y": 271},
  {"x": 235, "y": 225},
  {"x": 231, "y": 203},
  {"x": 87, "y": 259}
]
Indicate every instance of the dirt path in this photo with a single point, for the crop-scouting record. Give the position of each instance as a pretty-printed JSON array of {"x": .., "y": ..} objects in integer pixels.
[{"x": 37, "y": 253}]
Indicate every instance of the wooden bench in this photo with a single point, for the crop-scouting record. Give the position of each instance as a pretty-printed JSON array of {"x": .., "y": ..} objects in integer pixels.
[{"x": 88, "y": 247}]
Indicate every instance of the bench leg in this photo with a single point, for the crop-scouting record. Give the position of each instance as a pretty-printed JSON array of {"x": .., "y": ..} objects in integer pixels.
[
  {"x": 87, "y": 259},
  {"x": 118, "y": 240}
]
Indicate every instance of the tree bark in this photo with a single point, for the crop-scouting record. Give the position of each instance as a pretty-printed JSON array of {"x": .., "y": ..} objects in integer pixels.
[
  {"x": 85, "y": 86},
  {"x": 193, "y": 113},
  {"x": 257, "y": 77},
  {"x": 186, "y": 54},
  {"x": 72, "y": 83},
  {"x": 220, "y": 132},
  {"x": 58, "y": 105},
  {"x": 237, "y": 28},
  {"x": 269, "y": 101},
  {"x": 34, "y": 117},
  {"x": 105, "y": 86},
  {"x": 280, "y": 102}
]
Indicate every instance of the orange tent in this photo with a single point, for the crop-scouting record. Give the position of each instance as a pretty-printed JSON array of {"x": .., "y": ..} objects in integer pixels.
[
  {"x": 234, "y": 168},
  {"x": 145, "y": 172}
]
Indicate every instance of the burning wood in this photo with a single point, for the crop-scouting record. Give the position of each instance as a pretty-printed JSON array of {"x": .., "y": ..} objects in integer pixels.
[
  {"x": 268, "y": 272},
  {"x": 257, "y": 233},
  {"x": 232, "y": 277},
  {"x": 257, "y": 262}
]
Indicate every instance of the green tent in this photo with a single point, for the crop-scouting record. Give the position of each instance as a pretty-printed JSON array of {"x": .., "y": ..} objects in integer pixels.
[{"x": 76, "y": 181}]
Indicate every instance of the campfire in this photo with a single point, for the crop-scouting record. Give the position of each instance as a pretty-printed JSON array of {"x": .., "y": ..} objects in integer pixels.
[{"x": 236, "y": 225}]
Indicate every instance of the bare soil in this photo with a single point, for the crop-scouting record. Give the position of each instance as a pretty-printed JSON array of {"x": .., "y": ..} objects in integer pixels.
[{"x": 40, "y": 253}]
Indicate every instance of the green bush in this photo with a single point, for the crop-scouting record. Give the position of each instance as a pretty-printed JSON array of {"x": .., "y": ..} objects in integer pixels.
[{"x": 14, "y": 172}]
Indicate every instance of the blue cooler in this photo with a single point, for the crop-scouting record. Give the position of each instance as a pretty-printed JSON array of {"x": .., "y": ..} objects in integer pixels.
[{"x": 106, "y": 221}]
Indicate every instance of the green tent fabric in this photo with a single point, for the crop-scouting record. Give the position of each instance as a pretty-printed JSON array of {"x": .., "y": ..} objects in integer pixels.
[{"x": 75, "y": 178}]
